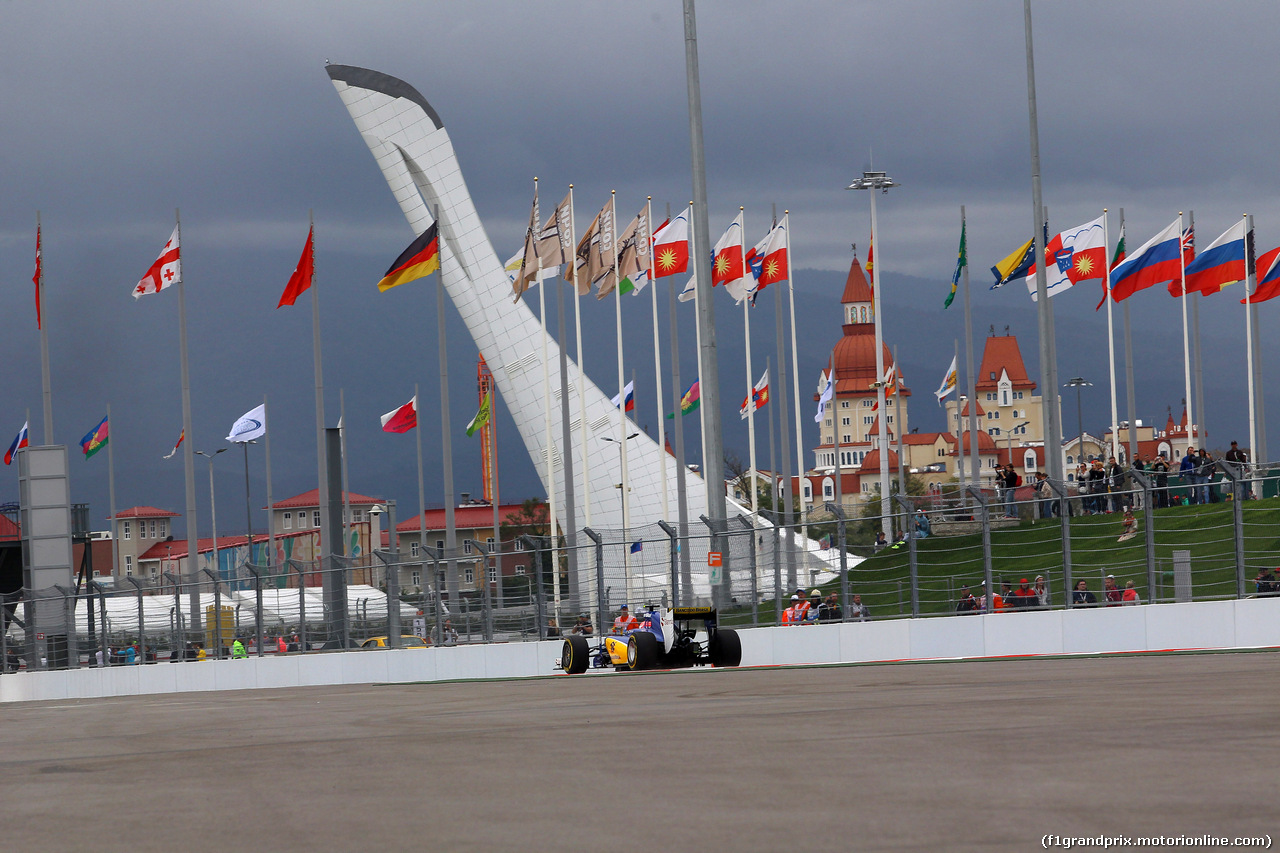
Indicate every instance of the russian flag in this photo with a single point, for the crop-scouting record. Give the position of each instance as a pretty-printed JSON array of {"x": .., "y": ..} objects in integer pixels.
[
  {"x": 19, "y": 442},
  {"x": 630, "y": 392},
  {"x": 1268, "y": 286},
  {"x": 1155, "y": 261},
  {"x": 1219, "y": 264}
]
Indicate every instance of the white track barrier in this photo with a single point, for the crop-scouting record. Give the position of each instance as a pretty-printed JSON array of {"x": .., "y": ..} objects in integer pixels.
[{"x": 1245, "y": 623}]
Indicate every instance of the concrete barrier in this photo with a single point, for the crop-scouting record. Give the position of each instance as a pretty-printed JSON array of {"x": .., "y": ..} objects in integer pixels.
[{"x": 1247, "y": 623}]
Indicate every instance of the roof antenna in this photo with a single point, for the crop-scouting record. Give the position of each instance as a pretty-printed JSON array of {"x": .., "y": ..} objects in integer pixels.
[{"x": 855, "y": 251}]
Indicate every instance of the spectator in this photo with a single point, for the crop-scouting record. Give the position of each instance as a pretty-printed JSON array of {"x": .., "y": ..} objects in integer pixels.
[
  {"x": 1081, "y": 597},
  {"x": 129, "y": 655},
  {"x": 1160, "y": 468},
  {"x": 1130, "y": 528},
  {"x": 98, "y": 653},
  {"x": 1206, "y": 471},
  {"x": 281, "y": 645},
  {"x": 1114, "y": 594},
  {"x": 923, "y": 528},
  {"x": 1189, "y": 469},
  {"x": 583, "y": 626},
  {"x": 450, "y": 633},
  {"x": 801, "y": 607},
  {"x": 1266, "y": 583},
  {"x": 1130, "y": 595},
  {"x": 237, "y": 649},
  {"x": 1043, "y": 598},
  {"x": 967, "y": 603},
  {"x": 815, "y": 604},
  {"x": 1004, "y": 601},
  {"x": 625, "y": 621},
  {"x": 1024, "y": 596},
  {"x": 1096, "y": 502},
  {"x": 12, "y": 663},
  {"x": 294, "y": 645},
  {"x": 995, "y": 604},
  {"x": 859, "y": 612},
  {"x": 881, "y": 541},
  {"x": 553, "y": 629},
  {"x": 1044, "y": 494},
  {"x": 829, "y": 610},
  {"x": 200, "y": 652},
  {"x": 789, "y": 615},
  {"x": 1009, "y": 479}
]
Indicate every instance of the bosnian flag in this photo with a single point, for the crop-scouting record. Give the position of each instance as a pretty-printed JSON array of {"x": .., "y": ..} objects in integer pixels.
[
  {"x": 165, "y": 271},
  {"x": 1220, "y": 264},
  {"x": 1078, "y": 254},
  {"x": 402, "y": 419},
  {"x": 1155, "y": 261},
  {"x": 630, "y": 392},
  {"x": 727, "y": 265},
  {"x": 671, "y": 246},
  {"x": 1268, "y": 286},
  {"x": 768, "y": 259},
  {"x": 18, "y": 443}
]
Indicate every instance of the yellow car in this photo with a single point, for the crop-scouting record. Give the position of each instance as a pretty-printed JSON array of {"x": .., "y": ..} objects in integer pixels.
[{"x": 407, "y": 641}]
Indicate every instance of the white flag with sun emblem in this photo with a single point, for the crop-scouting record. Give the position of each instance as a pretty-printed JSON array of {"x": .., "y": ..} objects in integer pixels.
[{"x": 1077, "y": 254}]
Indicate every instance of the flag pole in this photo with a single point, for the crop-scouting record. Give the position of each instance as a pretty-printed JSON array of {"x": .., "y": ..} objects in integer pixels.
[
  {"x": 422, "y": 523},
  {"x": 322, "y": 480},
  {"x": 751, "y": 402},
  {"x": 446, "y": 429},
  {"x": 1186, "y": 344},
  {"x": 271, "y": 515},
  {"x": 1249, "y": 285},
  {"x": 622, "y": 391},
  {"x": 566, "y": 434},
  {"x": 1111, "y": 358},
  {"x": 974, "y": 460},
  {"x": 657, "y": 359},
  {"x": 682, "y": 503},
  {"x": 188, "y": 459},
  {"x": 1128, "y": 357},
  {"x": 346, "y": 481},
  {"x": 534, "y": 235},
  {"x": 795, "y": 389},
  {"x": 584, "y": 449},
  {"x": 784, "y": 434},
  {"x": 886, "y": 520},
  {"x": 697, "y": 328},
  {"x": 111, "y": 495},
  {"x": 44, "y": 343},
  {"x": 1197, "y": 372}
]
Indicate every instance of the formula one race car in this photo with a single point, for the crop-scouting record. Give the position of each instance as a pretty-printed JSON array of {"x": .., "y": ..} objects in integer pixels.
[{"x": 666, "y": 639}]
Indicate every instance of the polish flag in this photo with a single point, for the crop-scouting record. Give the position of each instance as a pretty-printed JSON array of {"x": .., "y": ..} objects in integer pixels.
[
  {"x": 165, "y": 271},
  {"x": 402, "y": 419}
]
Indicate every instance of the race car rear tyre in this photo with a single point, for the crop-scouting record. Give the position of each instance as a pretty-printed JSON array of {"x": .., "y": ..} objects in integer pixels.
[
  {"x": 575, "y": 657},
  {"x": 643, "y": 651},
  {"x": 726, "y": 648}
]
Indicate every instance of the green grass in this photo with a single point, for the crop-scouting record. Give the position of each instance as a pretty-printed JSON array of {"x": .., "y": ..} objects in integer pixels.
[{"x": 944, "y": 563}]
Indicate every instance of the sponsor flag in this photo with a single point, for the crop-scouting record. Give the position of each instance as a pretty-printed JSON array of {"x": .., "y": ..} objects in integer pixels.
[
  {"x": 482, "y": 415},
  {"x": 634, "y": 259},
  {"x": 1115, "y": 262},
  {"x": 165, "y": 271},
  {"x": 402, "y": 419},
  {"x": 768, "y": 258},
  {"x": 759, "y": 397},
  {"x": 689, "y": 402},
  {"x": 593, "y": 257},
  {"x": 1014, "y": 265},
  {"x": 962, "y": 261},
  {"x": 542, "y": 246},
  {"x": 95, "y": 439},
  {"x": 36, "y": 278},
  {"x": 1268, "y": 286},
  {"x": 671, "y": 247},
  {"x": 252, "y": 424},
  {"x": 948, "y": 382},
  {"x": 1154, "y": 262},
  {"x": 1221, "y": 263},
  {"x": 630, "y": 393},
  {"x": 1075, "y": 255},
  {"x": 303, "y": 274},
  {"x": 419, "y": 260},
  {"x": 727, "y": 265},
  {"x": 512, "y": 268},
  {"x": 19, "y": 442},
  {"x": 828, "y": 390},
  {"x": 181, "y": 436}
]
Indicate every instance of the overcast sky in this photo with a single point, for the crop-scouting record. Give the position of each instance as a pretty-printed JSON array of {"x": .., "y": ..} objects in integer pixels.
[{"x": 116, "y": 114}]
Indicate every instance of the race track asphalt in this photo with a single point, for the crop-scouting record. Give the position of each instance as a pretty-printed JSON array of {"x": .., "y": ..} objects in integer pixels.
[{"x": 937, "y": 756}]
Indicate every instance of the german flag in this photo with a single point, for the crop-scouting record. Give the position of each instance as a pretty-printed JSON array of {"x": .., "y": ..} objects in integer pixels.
[{"x": 420, "y": 260}]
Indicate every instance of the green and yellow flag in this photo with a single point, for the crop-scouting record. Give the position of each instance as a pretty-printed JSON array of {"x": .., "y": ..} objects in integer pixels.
[
  {"x": 961, "y": 262},
  {"x": 482, "y": 416}
]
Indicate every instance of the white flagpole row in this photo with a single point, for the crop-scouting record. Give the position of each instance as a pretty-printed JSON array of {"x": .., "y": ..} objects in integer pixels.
[
  {"x": 1186, "y": 343},
  {"x": 795, "y": 387},
  {"x": 582, "y": 373},
  {"x": 622, "y": 392},
  {"x": 1111, "y": 348},
  {"x": 657, "y": 361},
  {"x": 1250, "y": 284},
  {"x": 697, "y": 327},
  {"x": 751, "y": 403},
  {"x": 534, "y": 234}
]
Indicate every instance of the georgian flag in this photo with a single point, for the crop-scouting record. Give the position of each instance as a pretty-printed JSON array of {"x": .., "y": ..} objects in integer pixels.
[{"x": 165, "y": 271}]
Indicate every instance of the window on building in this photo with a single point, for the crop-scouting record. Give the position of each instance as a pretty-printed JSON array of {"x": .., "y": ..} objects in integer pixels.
[
  {"x": 847, "y": 439},
  {"x": 888, "y": 419},
  {"x": 124, "y": 531},
  {"x": 288, "y": 521},
  {"x": 519, "y": 570},
  {"x": 469, "y": 575},
  {"x": 993, "y": 376},
  {"x": 519, "y": 544},
  {"x": 868, "y": 403},
  {"x": 415, "y": 578},
  {"x": 488, "y": 544},
  {"x": 808, "y": 490},
  {"x": 845, "y": 421},
  {"x": 1029, "y": 461},
  {"x": 315, "y": 518},
  {"x": 844, "y": 404},
  {"x": 439, "y": 546},
  {"x": 867, "y": 420},
  {"x": 828, "y": 489},
  {"x": 1070, "y": 460},
  {"x": 866, "y": 487},
  {"x": 414, "y": 549},
  {"x": 991, "y": 463},
  {"x": 128, "y": 565},
  {"x": 995, "y": 430},
  {"x": 142, "y": 529},
  {"x": 164, "y": 529},
  {"x": 153, "y": 530},
  {"x": 466, "y": 546},
  {"x": 492, "y": 574},
  {"x": 155, "y": 570}
]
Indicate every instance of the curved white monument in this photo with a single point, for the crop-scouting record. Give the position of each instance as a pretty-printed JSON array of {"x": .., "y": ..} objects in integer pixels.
[{"x": 412, "y": 148}]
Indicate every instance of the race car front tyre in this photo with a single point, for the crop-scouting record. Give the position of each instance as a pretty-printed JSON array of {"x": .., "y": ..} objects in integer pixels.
[
  {"x": 576, "y": 655},
  {"x": 643, "y": 651},
  {"x": 725, "y": 648}
]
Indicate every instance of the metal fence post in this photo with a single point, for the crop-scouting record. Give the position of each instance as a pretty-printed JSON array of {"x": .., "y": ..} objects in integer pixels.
[
  {"x": 601, "y": 604},
  {"x": 4, "y": 630},
  {"x": 302, "y": 606},
  {"x": 988, "y": 581},
  {"x": 179, "y": 647},
  {"x": 1064, "y": 516},
  {"x": 1237, "y": 519},
  {"x": 675, "y": 560},
  {"x": 838, "y": 512},
  {"x": 217, "y": 613},
  {"x": 1149, "y": 535},
  {"x": 913, "y": 565},
  {"x": 539, "y": 619},
  {"x": 486, "y": 615},
  {"x": 393, "y": 599},
  {"x": 69, "y": 614},
  {"x": 257, "y": 609},
  {"x": 755, "y": 596},
  {"x": 142, "y": 624}
]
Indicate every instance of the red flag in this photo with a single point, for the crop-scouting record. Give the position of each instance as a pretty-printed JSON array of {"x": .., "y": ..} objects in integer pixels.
[
  {"x": 671, "y": 246},
  {"x": 1188, "y": 255},
  {"x": 402, "y": 419},
  {"x": 36, "y": 278},
  {"x": 165, "y": 271},
  {"x": 1268, "y": 286},
  {"x": 300, "y": 281}
]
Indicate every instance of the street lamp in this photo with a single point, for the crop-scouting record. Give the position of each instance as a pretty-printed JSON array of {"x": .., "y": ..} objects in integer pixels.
[
  {"x": 626, "y": 546},
  {"x": 213, "y": 510},
  {"x": 1078, "y": 383},
  {"x": 874, "y": 181},
  {"x": 1011, "y": 432}
]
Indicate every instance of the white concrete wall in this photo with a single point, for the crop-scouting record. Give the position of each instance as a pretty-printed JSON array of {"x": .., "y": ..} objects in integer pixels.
[{"x": 1249, "y": 623}]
